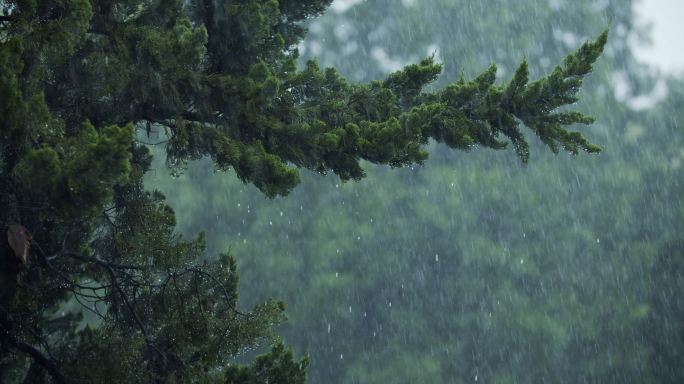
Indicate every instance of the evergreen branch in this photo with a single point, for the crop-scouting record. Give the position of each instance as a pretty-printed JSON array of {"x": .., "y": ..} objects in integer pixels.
[
  {"x": 127, "y": 302},
  {"x": 213, "y": 278},
  {"x": 321, "y": 122},
  {"x": 131, "y": 309}
]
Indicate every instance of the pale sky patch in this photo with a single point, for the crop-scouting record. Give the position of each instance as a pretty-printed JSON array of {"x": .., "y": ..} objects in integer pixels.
[{"x": 667, "y": 34}]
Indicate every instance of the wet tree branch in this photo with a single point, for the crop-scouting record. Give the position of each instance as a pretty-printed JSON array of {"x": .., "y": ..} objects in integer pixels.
[
  {"x": 39, "y": 357},
  {"x": 100, "y": 262}
]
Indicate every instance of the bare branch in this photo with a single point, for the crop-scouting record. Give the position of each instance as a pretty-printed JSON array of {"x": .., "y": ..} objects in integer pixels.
[
  {"x": 92, "y": 310},
  {"x": 146, "y": 143},
  {"x": 39, "y": 357},
  {"x": 95, "y": 260}
]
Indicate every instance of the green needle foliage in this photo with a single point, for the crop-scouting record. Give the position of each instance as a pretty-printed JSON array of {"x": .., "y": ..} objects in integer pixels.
[{"x": 83, "y": 87}]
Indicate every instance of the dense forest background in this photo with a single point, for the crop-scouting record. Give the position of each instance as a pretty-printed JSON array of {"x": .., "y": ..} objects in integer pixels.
[{"x": 475, "y": 266}]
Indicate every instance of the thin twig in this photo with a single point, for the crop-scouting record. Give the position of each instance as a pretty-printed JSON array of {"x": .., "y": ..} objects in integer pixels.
[
  {"x": 95, "y": 260},
  {"x": 146, "y": 143}
]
